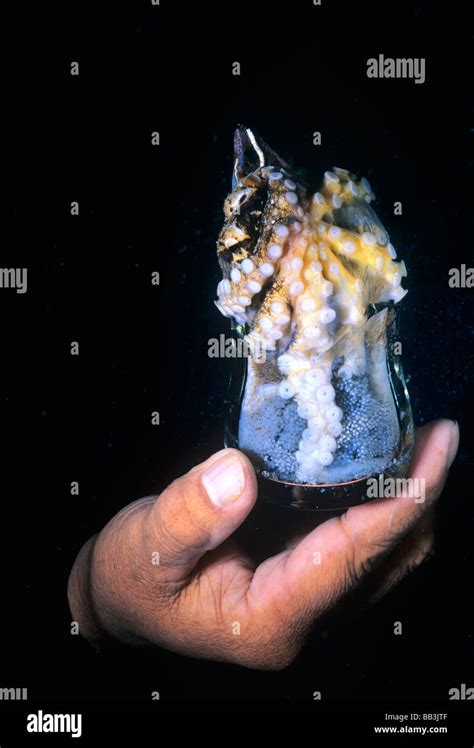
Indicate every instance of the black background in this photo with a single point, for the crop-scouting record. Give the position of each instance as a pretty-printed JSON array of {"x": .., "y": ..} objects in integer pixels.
[{"x": 142, "y": 348}]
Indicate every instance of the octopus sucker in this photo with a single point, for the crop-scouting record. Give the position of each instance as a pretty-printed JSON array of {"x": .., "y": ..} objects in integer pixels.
[{"x": 309, "y": 276}]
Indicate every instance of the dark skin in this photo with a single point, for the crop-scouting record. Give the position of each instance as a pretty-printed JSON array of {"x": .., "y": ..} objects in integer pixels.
[{"x": 207, "y": 598}]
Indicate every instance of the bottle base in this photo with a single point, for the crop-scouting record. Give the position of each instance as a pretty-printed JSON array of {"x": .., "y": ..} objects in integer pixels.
[{"x": 314, "y": 497}]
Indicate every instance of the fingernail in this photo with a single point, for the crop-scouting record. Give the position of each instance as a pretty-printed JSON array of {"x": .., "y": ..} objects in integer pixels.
[
  {"x": 453, "y": 443},
  {"x": 224, "y": 479}
]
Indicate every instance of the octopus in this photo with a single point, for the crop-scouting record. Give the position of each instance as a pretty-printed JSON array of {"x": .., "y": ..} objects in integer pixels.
[{"x": 309, "y": 278}]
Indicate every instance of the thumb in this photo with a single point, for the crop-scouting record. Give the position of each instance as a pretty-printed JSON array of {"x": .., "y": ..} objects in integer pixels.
[{"x": 198, "y": 511}]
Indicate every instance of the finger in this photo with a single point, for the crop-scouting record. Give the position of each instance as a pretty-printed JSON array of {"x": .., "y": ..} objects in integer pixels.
[
  {"x": 200, "y": 510},
  {"x": 412, "y": 550},
  {"x": 415, "y": 548},
  {"x": 335, "y": 557}
]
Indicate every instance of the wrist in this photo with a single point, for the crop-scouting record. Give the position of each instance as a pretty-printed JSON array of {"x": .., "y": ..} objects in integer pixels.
[{"x": 79, "y": 595}]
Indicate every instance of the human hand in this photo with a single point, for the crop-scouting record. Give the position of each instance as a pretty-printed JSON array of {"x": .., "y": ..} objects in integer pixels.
[{"x": 206, "y": 598}]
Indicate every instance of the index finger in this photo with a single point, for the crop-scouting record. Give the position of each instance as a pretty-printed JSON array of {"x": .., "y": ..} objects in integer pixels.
[{"x": 348, "y": 547}]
